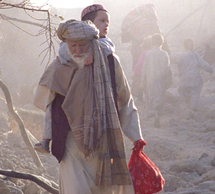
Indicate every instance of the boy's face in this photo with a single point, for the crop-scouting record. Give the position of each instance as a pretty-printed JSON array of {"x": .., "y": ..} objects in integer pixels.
[{"x": 101, "y": 21}]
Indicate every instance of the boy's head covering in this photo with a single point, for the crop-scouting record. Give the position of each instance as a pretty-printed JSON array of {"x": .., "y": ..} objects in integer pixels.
[
  {"x": 92, "y": 8},
  {"x": 77, "y": 30}
]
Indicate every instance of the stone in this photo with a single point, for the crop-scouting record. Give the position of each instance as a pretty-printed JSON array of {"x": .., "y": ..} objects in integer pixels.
[
  {"x": 32, "y": 188},
  {"x": 14, "y": 190}
]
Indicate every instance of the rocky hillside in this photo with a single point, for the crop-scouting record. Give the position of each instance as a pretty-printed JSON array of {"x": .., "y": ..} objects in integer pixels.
[
  {"x": 183, "y": 148},
  {"x": 15, "y": 156}
]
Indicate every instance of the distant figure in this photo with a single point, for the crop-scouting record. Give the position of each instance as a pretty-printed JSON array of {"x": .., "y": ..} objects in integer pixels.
[
  {"x": 156, "y": 73},
  {"x": 138, "y": 23},
  {"x": 136, "y": 87},
  {"x": 189, "y": 66}
]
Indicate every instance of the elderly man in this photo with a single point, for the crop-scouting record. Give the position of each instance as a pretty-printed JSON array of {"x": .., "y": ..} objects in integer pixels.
[{"x": 86, "y": 118}]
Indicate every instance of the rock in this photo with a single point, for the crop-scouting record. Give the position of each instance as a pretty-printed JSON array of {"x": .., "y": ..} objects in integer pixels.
[
  {"x": 4, "y": 124},
  {"x": 208, "y": 176},
  {"x": 7, "y": 164},
  {"x": 186, "y": 114},
  {"x": 211, "y": 114},
  {"x": 14, "y": 139},
  {"x": 172, "y": 183},
  {"x": 213, "y": 162},
  {"x": 13, "y": 180},
  {"x": 14, "y": 190},
  {"x": 190, "y": 166},
  {"x": 32, "y": 188},
  {"x": 173, "y": 122},
  {"x": 3, "y": 188},
  {"x": 206, "y": 162},
  {"x": 188, "y": 177},
  {"x": 45, "y": 192},
  {"x": 210, "y": 127},
  {"x": 204, "y": 155},
  {"x": 52, "y": 170},
  {"x": 210, "y": 185}
]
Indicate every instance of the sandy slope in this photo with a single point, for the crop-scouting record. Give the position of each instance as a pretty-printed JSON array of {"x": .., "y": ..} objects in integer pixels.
[{"x": 184, "y": 147}]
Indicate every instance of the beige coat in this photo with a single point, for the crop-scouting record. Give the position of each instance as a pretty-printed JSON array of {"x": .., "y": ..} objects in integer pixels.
[{"x": 77, "y": 175}]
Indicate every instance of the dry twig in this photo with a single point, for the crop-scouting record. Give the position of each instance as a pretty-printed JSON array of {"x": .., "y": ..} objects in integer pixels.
[
  {"x": 24, "y": 134},
  {"x": 37, "y": 179},
  {"x": 47, "y": 27}
]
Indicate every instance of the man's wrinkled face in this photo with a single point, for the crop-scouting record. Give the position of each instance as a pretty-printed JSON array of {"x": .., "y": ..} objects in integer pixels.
[{"x": 79, "y": 51}]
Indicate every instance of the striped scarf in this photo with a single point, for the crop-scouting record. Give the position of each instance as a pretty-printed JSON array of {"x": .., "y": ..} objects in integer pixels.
[{"x": 112, "y": 167}]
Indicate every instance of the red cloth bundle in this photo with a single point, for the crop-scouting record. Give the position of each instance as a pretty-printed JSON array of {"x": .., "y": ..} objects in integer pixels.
[{"x": 146, "y": 176}]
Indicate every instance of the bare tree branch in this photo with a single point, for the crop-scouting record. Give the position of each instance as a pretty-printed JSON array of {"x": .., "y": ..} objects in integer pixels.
[
  {"x": 184, "y": 19},
  {"x": 22, "y": 21},
  {"x": 24, "y": 134},
  {"x": 37, "y": 179},
  {"x": 48, "y": 28}
]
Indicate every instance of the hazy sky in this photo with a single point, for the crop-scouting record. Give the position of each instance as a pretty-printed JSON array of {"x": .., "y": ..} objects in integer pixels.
[{"x": 64, "y": 3}]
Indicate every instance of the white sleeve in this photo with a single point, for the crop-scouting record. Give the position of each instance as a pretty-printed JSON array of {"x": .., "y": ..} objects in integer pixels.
[
  {"x": 204, "y": 65},
  {"x": 128, "y": 114},
  {"x": 47, "y": 127},
  {"x": 42, "y": 100}
]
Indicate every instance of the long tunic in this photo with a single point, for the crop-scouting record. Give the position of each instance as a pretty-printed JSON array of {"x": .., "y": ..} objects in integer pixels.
[
  {"x": 77, "y": 174},
  {"x": 191, "y": 83},
  {"x": 155, "y": 72}
]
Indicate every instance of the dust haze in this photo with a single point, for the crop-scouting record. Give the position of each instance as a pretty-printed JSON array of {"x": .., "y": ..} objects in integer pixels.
[
  {"x": 20, "y": 52},
  {"x": 184, "y": 147}
]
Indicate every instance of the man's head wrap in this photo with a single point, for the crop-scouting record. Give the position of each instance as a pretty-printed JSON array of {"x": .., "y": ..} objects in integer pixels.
[
  {"x": 77, "y": 30},
  {"x": 92, "y": 8}
]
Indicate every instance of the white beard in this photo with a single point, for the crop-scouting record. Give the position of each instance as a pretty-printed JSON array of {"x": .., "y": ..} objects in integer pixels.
[{"x": 80, "y": 61}]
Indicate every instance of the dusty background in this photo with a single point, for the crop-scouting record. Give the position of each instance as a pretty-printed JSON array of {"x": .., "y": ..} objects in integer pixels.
[{"x": 183, "y": 148}]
